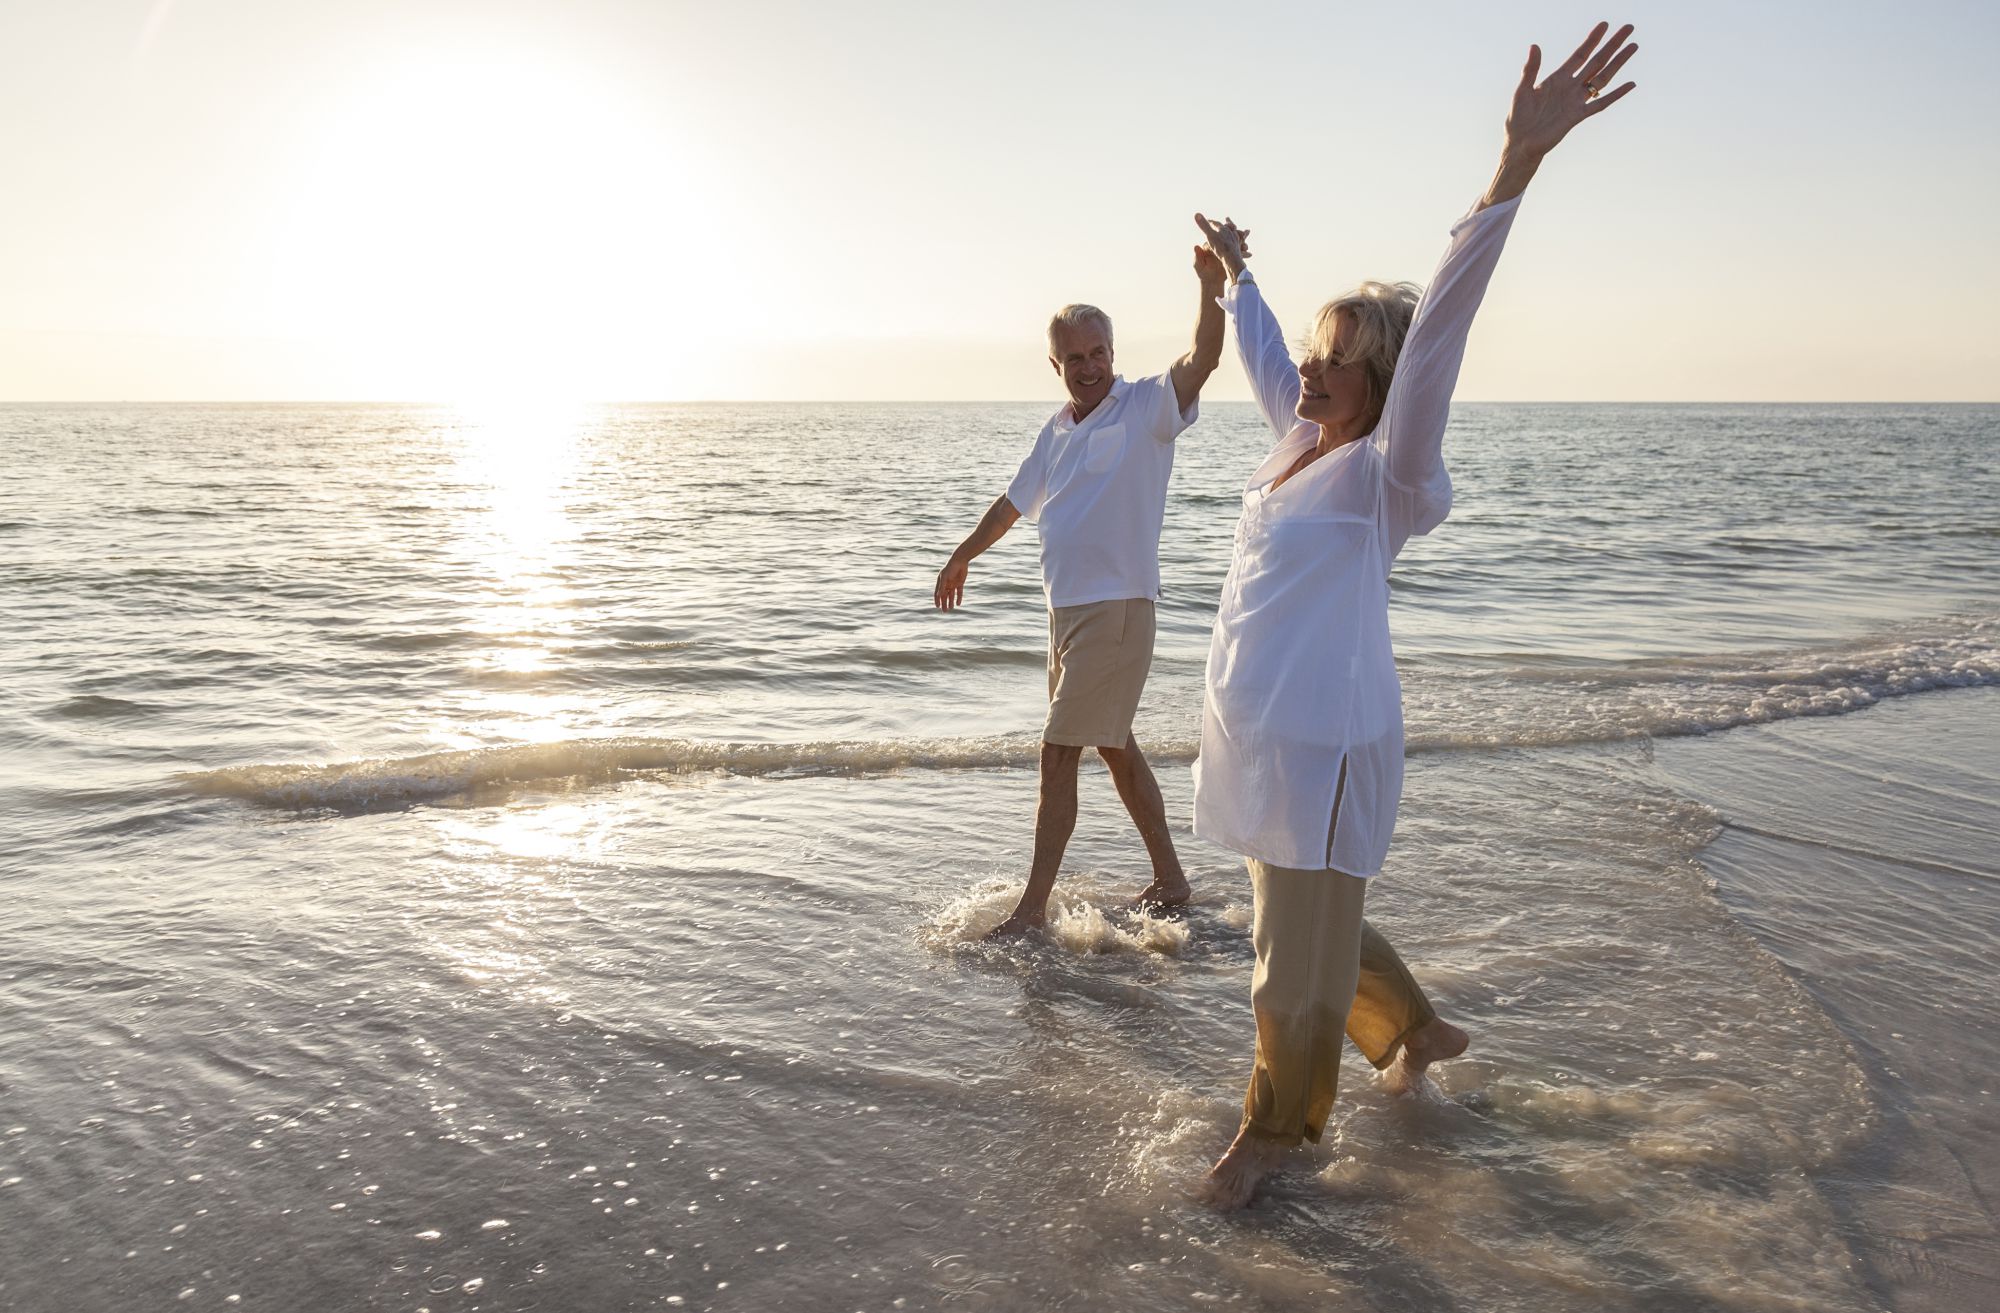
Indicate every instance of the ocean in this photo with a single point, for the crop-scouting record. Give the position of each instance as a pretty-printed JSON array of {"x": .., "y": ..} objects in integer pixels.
[{"x": 538, "y": 861}]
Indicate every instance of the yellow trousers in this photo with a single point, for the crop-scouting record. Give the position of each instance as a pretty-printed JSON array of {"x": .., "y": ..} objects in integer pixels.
[{"x": 1322, "y": 971}]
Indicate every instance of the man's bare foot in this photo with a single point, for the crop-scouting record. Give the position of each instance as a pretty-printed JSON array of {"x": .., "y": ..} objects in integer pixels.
[
  {"x": 1440, "y": 1041},
  {"x": 1163, "y": 893},
  {"x": 1020, "y": 923},
  {"x": 1235, "y": 1176}
]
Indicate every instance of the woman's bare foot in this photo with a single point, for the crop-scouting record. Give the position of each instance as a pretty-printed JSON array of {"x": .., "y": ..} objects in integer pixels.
[
  {"x": 1235, "y": 1176},
  {"x": 1020, "y": 923},
  {"x": 1165, "y": 892},
  {"x": 1440, "y": 1041}
]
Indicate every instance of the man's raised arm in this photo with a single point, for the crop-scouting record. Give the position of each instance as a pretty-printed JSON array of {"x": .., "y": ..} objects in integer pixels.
[
  {"x": 993, "y": 526},
  {"x": 1192, "y": 370}
]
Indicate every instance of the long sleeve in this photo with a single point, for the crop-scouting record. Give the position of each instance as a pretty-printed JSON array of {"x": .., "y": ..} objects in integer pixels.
[
  {"x": 1419, "y": 402},
  {"x": 1274, "y": 381}
]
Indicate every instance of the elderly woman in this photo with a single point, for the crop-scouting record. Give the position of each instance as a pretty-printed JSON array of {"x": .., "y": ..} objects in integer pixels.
[{"x": 1302, "y": 737}]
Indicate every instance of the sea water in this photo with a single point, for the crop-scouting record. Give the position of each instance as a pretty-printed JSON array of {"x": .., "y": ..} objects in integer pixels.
[{"x": 539, "y": 861}]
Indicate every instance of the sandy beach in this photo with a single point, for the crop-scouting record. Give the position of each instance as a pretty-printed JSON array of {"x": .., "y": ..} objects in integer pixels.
[{"x": 1860, "y": 854}]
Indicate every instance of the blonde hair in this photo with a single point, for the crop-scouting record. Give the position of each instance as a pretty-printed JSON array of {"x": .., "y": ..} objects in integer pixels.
[
  {"x": 1077, "y": 316},
  {"x": 1381, "y": 314}
]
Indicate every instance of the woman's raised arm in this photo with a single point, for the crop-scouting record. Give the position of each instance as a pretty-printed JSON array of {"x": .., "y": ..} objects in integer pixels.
[
  {"x": 1419, "y": 402},
  {"x": 1274, "y": 381}
]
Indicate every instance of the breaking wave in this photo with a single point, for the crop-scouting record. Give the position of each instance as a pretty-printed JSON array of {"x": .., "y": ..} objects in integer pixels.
[
  {"x": 1522, "y": 706},
  {"x": 388, "y": 782},
  {"x": 1551, "y": 703}
]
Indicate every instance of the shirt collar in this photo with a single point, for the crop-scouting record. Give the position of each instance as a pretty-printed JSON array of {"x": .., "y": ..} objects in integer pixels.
[{"x": 1064, "y": 423}]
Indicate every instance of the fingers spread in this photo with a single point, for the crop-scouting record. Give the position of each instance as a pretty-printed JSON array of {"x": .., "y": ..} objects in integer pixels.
[
  {"x": 1609, "y": 71},
  {"x": 1594, "y": 66},
  {"x": 1575, "y": 61}
]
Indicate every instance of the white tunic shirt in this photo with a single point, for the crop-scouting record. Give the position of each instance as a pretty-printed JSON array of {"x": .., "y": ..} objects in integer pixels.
[
  {"x": 1304, "y": 710},
  {"x": 1097, "y": 492}
]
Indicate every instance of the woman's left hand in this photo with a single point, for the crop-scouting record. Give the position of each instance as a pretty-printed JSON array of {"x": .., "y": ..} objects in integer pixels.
[{"x": 1543, "y": 115}]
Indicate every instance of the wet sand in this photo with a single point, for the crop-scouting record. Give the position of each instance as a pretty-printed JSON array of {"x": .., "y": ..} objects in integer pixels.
[{"x": 1864, "y": 853}]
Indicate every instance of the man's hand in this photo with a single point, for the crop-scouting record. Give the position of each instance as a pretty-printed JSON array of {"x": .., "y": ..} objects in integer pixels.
[
  {"x": 1228, "y": 243},
  {"x": 1208, "y": 267},
  {"x": 950, "y": 591},
  {"x": 1211, "y": 263}
]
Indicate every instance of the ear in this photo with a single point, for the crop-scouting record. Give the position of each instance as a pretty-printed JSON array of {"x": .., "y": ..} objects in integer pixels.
[{"x": 1056, "y": 365}]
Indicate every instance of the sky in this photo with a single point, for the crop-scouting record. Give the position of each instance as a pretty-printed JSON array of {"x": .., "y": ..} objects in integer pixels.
[{"x": 652, "y": 200}]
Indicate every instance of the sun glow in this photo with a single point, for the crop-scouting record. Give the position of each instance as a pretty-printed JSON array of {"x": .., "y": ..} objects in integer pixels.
[
  {"x": 514, "y": 476},
  {"x": 499, "y": 229}
]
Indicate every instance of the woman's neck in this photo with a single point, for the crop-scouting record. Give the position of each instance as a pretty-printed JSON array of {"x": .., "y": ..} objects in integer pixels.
[{"x": 1334, "y": 436}]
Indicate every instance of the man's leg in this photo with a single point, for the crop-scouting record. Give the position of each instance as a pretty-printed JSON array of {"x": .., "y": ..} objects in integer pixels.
[
  {"x": 1055, "y": 818},
  {"x": 1140, "y": 793}
]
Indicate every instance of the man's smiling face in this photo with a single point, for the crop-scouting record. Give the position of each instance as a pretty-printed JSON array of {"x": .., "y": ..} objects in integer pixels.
[{"x": 1082, "y": 355}]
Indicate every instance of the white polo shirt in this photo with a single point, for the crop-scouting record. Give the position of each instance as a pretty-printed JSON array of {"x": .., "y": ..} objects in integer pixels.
[{"x": 1097, "y": 492}]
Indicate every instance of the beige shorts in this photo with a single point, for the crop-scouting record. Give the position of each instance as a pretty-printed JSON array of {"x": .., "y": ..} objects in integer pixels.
[{"x": 1099, "y": 654}]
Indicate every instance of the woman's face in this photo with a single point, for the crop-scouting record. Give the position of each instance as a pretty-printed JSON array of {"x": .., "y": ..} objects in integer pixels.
[{"x": 1332, "y": 393}]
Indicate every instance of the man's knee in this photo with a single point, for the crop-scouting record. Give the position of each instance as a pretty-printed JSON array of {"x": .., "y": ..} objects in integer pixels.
[
  {"x": 1058, "y": 756},
  {"x": 1118, "y": 758}
]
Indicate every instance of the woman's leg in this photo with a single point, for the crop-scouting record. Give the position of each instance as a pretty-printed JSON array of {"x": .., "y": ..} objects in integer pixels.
[
  {"x": 1391, "y": 1022},
  {"x": 1307, "y": 931},
  {"x": 1389, "y": 1005}
]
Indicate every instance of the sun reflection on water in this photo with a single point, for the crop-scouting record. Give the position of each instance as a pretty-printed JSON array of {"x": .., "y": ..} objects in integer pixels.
[
  {"x": 515, "y": 474},
  {"x": 514, "y": 477},
  {"x": 516, "y": 465},
  {"x": 509, "y": 867}
]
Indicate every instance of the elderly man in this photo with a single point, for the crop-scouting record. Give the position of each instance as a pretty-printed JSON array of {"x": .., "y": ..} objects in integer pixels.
[{"x": 1095, "y": 485}]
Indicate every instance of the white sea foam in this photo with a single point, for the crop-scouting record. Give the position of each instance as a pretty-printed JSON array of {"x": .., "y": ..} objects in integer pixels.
[
  {"x": 428, "y": 777},
  {"x": 1082, "y": 919},
  {"x": 1527, "y": 706},
  {"x": 1552, "y": 704}
]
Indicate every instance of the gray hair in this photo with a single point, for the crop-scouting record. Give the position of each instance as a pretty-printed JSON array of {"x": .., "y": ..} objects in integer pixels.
[
  {"x": 1381, "y": 314},
  {"x": 1078, "y": 316}
]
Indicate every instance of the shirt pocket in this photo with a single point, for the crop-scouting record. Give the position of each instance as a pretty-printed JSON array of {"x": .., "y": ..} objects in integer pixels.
[{"x": 1105, "y": 446}]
